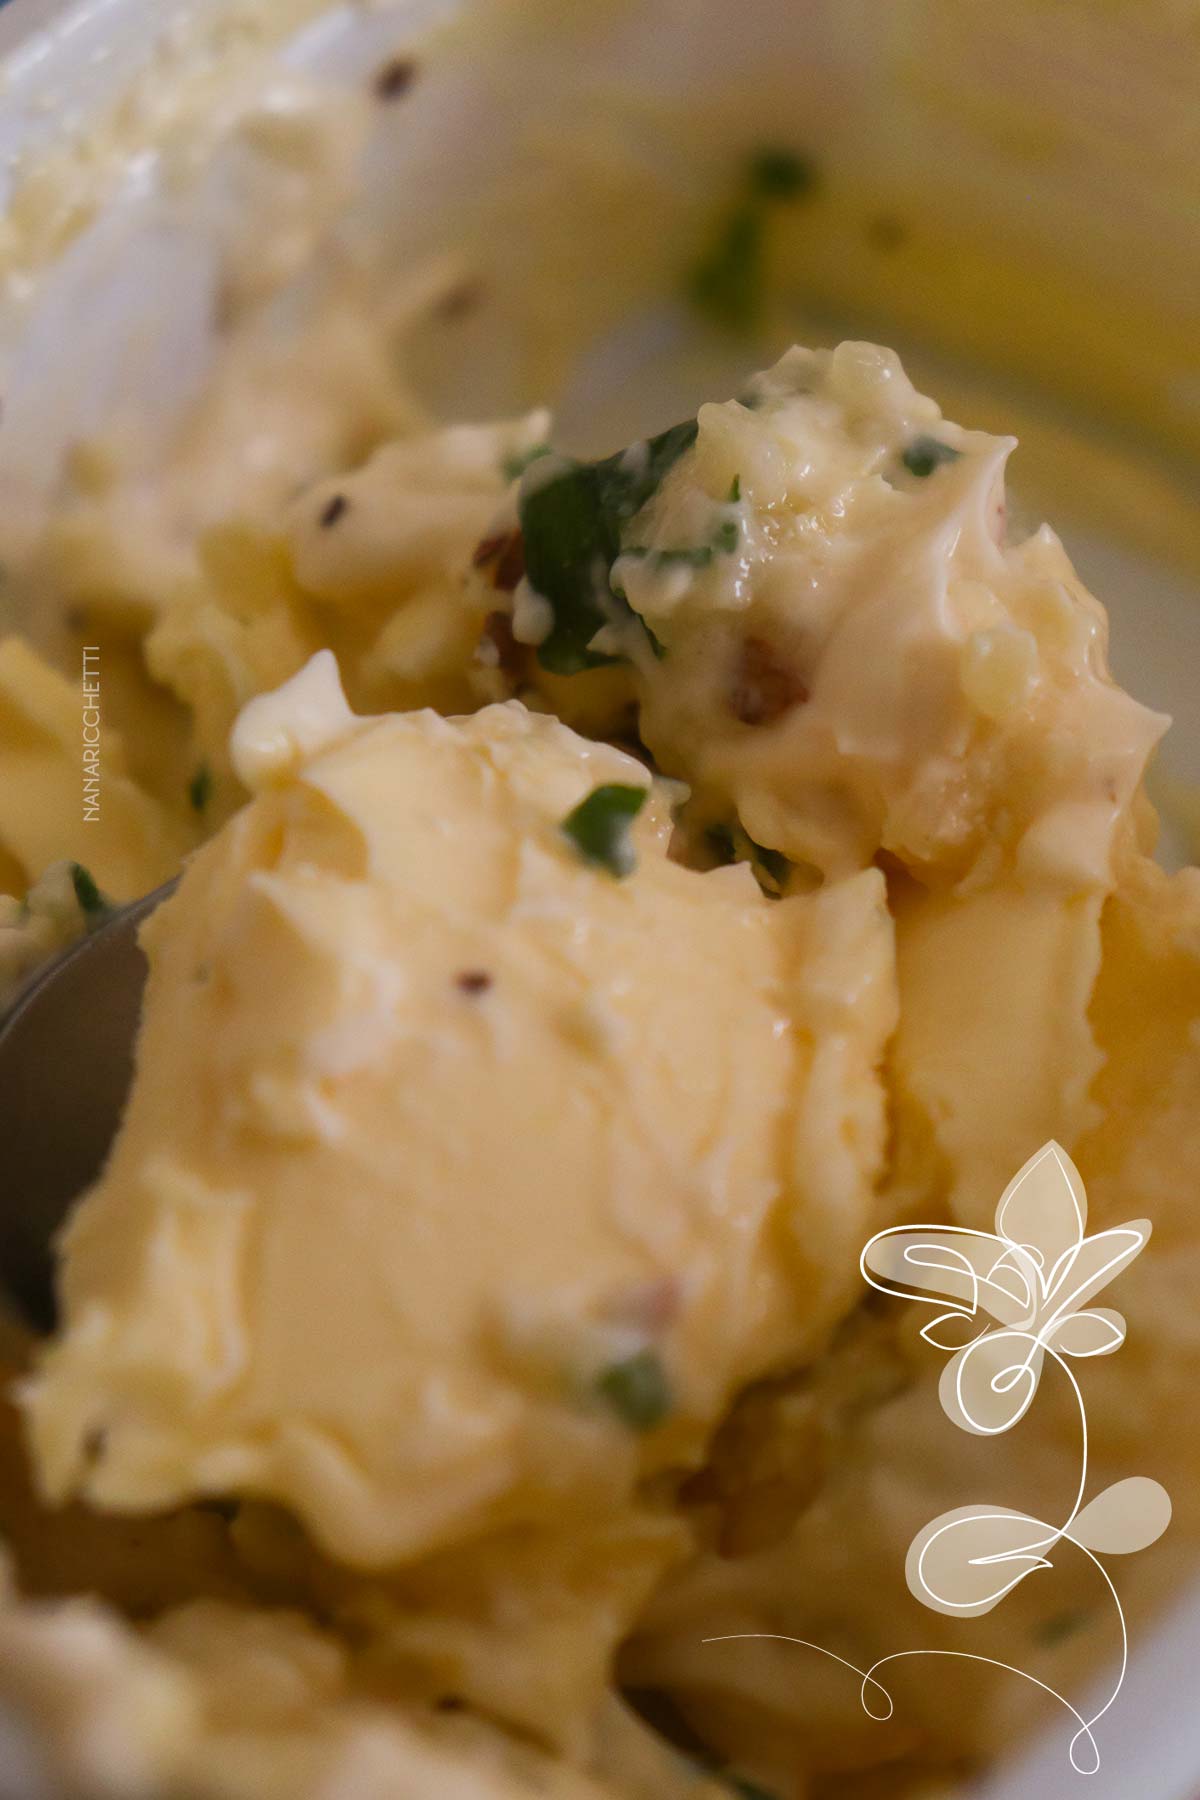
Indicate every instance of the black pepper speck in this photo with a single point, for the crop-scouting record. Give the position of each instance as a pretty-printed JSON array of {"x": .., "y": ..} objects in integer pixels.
[{"x": 395, "y": 78}]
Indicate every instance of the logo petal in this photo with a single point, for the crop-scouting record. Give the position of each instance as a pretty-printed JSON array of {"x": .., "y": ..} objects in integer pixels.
[
  {"x": 1082, "y": 1272},
  {"x": 934, "y": 1263},
  {"x": 1095, "y": 1333},
  {"x": 988, "y": 1386},
  {"x": 951, "y": 1330},
  {"x": 966, "y": 1560},
  {"x": 1017, "y": 1274},
  {"x": 1044, "y": 1206},
  {"x": 1127, "y": 1516}
]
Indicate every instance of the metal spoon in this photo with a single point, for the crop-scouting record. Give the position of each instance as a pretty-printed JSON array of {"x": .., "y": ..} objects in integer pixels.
[{"x": 66, "y": 1063}]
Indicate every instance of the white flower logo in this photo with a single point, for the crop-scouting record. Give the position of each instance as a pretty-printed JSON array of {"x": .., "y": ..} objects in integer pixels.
[
  {"x": 1018, "y": 1296},
  {"x": 1034, "y": 1278}
]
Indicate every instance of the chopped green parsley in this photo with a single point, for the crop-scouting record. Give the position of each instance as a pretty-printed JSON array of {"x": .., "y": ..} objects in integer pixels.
[
  {"x": 91, "y": 900},
  {"x": 728, "y": 843},
  {"x": 720, "y": 844},
  {"x": 727, "y": 283},
  {"x": 200, "y": 788},
  {"x": 688, "y": 556},
  {"x": 925, "y": 454},
  {"x": 781, "y": 175},
  {"x": 724, "y": 542},
  {"x": 638, "y": 1390},
  {"x": 1060, "y": 1626},
  {"x": 771, "y": 867},
  {"x": 572, "y": 525},
  {"x": 599, "y": 827}
]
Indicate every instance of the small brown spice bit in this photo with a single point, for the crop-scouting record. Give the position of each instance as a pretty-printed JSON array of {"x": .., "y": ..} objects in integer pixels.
[
  {"x": 766, "y": 1466},
  {"x": 488, "y": 549},
  {"x": 763, "y": 687},
  {"x": 333, "y": 510},
  {"x": 651, "y": 1306},
  {"x": 395, "y": 78},
  {"x": 886, "y": 232},
  {"x": 460, "y": 300},
  {"x": 95, "y": 1443},
  {"x": 473, "y": 981},
  {"x": 504, "y": 554},
  {"x": 220, "y": 1508},
  {"x": 511, "y": 565}
]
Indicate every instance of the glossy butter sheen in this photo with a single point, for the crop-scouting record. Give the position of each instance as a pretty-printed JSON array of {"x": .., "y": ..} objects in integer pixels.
[{"x": 435, "y": 1124}]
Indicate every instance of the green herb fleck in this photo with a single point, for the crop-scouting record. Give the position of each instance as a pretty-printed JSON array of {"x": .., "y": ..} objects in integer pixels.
[
  {"x": 726, "y": 285},
  {"x": 656, "y": 643},
  {"x": 772, "y": 867},
  {"x": 572, "y": 529},
  {"x": 91, "y": 900},
  {"x": 513, "y": 467},
  {"x": 200, "y": 788},
  {"x": 925, "y": 454},
  {"x": 1060, "y": 1626},
  {"x": 730, "y": 842},
  {"x": 748, "y": 1790},
  {"x": 599, "y": 827},
  {"x": 781, "y": 175},
  {"x": 720, "y": 844},
  {"x": 724, "y": 541},
  {"x": 688, "y": 556},
  {"x": 735, "y": 491},
  {"x": 637, "y": 1389}
]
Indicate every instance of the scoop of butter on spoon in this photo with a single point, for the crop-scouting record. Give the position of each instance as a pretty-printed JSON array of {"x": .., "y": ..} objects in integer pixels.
[{"x": 66, "y": 1063}]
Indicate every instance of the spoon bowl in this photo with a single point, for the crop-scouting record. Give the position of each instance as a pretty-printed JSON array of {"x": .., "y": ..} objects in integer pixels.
[{"x": 66, "y": 1064}]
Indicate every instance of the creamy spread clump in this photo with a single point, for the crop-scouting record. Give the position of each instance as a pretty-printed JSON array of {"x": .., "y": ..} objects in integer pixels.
[
  {"x": 811, "y": 594},
  {"x": 643, "y": 1105},
  {"x": 846, "y": 650},
  {"x": 621, "y": 886}
]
